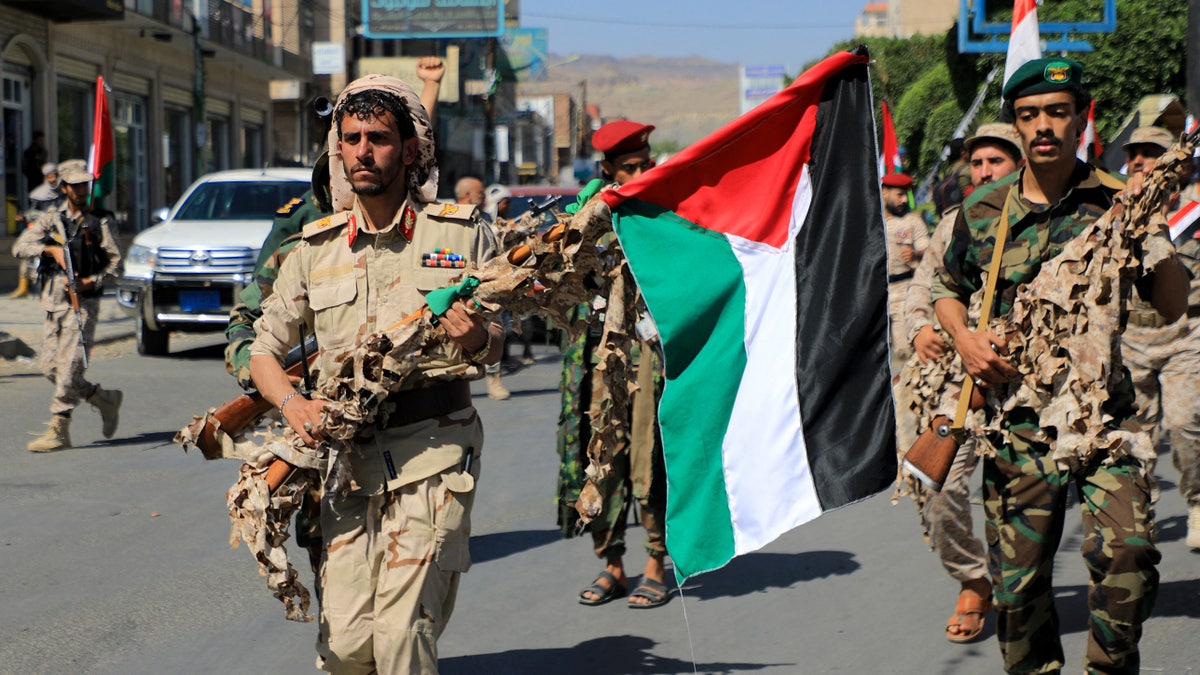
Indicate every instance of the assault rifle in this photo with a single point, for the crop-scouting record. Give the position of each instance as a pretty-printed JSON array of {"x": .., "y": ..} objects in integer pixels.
[{"x": 73, "y": 295}]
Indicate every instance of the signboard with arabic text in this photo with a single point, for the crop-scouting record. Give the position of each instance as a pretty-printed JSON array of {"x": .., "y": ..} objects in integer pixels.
[{"x": 400, "y": 19}]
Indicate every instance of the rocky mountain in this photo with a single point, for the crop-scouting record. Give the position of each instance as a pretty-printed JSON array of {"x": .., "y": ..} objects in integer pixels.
[{"x": 685, "y": 98}]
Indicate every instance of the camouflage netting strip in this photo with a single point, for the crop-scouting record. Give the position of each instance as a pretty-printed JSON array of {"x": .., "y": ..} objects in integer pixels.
[
  {"x": 557, "y": 277},
  {"x": 261, "y": 519},
  {"x": 1066, "y": 323}
]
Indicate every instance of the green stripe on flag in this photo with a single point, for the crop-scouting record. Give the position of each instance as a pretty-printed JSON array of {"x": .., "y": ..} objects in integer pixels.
[{"x": 693, "y": 285}]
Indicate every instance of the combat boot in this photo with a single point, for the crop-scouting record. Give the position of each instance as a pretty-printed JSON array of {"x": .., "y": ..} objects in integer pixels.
[
  {"x": 1193, "y": 533},
  {"x": 108, "y": 402},
  {"x": 55, "y": 437},
  {"x": 22, "y": 288},
  {"x": 496, "y": 389}
]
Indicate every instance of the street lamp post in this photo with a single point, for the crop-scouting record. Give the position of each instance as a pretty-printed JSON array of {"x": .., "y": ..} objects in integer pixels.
[{"x": 201, "y": 131}]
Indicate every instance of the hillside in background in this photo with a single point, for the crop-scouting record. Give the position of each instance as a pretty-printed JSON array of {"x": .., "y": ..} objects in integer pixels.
[{"x": 684, "y": 98}]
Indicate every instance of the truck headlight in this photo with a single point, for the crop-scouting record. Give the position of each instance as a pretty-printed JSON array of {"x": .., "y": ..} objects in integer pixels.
[{"x": 140, "y": 260}]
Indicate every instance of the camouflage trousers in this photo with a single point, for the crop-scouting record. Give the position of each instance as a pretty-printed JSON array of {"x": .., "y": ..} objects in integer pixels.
[
  {"x": 62, "y": 356},
  {"x": 1165, "y": 366},
  {"x": 901, "y": 348},
  {"x": 947, "y": 519},
  {"x": 638, "y": 473},
  {"x": 390, "y": 574},
  {"x": 1025, "y": 500}
]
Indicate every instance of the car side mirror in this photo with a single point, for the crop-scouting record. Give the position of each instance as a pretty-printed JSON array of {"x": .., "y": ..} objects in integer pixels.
[{"x": 160, "y": 215}]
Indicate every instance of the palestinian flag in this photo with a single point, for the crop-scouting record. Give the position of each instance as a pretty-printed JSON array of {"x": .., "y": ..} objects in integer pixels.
[
  {"x": 101, "y": 156},
  {"x": 760, "y": 252}
]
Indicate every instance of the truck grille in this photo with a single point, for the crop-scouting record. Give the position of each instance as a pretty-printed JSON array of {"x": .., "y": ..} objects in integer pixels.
[{"x": 206, "y": 260}]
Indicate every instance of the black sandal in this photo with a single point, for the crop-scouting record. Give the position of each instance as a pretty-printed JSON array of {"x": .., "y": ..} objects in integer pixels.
[
  {"x": 603, "y": 593},
  {"x": 651, "y": 590}
]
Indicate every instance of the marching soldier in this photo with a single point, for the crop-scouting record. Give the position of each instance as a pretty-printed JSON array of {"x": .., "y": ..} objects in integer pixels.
[
  {"x": 71, "y": 313},
  {"x": 1048, "y": 203},
  {"x": 907, "y": 239},
  {"x": 1164, "y": 358}
]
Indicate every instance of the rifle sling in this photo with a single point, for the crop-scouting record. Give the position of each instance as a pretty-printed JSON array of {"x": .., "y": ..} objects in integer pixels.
[{"x": 985, "y": 313}]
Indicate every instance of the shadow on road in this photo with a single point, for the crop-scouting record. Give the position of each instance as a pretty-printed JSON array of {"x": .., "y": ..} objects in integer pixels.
[
  {"x": 153, "y": 438},
  {"x": 206, "y": 352},
  {"x": 488, "y": 547},
  {"x": 760, "y": 571},
  {"x": 602, "y": 656}
]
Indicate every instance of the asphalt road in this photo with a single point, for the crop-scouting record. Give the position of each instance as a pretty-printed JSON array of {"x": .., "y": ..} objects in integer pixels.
[{"x": 114, "y": 558}]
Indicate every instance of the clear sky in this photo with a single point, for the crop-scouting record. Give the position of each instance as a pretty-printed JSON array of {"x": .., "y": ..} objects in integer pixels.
[{"x": 751, "y": 32}]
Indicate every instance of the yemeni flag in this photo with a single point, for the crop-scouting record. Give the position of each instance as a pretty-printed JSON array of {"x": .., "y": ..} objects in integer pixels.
[
  {"x": 101, "y": 156},
  {"x": 760, "y": 251},
  {"x": 891, "y": 149},
  {"x": 1090, "y": 139},
  {"x": 1025, "y": 42},
  {"x": 1183, "y": 224}
]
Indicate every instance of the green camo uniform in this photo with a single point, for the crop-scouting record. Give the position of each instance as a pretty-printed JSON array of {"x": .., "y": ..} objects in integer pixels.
[
  {"x": 1024, "y": 490},
  {"x": 285, "y": 233}
]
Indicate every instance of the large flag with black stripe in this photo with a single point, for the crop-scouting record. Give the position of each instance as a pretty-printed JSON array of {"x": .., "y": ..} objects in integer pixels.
[{"x": 760, "y": 251}]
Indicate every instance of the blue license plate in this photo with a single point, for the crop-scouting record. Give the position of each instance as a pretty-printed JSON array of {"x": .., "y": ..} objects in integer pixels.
[{"x": 199, "y": 301}]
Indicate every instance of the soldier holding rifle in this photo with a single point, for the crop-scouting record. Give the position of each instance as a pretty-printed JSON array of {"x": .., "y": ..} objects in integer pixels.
[
  {"x": 78, "y": 253},
  {"x": 1047, "y": 204},
  {"x": 395, "y": 542}
]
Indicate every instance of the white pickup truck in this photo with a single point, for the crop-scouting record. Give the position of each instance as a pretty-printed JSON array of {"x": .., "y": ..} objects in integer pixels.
[{"x": 185, "y": 273}]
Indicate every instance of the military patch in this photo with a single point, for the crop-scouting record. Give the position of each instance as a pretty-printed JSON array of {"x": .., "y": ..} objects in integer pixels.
[
  {"x": 452, "y": 211},
  {"x": 290, "y": 207},
  {"x": 326, "y": 224},
  {"x": 1057, "y": 72}
]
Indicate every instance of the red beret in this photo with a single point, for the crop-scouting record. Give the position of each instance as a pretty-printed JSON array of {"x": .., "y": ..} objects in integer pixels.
[
  {"x": 622, "y": 136},
  {"x": 897, "y": 180}
]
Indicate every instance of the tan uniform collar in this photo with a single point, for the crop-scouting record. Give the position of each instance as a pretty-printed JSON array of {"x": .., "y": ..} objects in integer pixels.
[{"x": 403, "y": 222}]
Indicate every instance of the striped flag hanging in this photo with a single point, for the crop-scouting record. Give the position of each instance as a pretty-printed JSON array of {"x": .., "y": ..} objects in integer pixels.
[
  {"x": 102, "y": 154},
  {"x": 891, "y": 148},
  {"x": 1025, "y": 42},
  {"x": 1090, "y": 138},
  {"x": 760, "y": 251}
]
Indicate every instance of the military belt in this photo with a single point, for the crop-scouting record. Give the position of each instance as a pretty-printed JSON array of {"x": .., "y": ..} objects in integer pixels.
[
  {"x": 1150, "y": 318},
  {"x": 415, "y": 405},
  {"x": 903, "y": 276}
]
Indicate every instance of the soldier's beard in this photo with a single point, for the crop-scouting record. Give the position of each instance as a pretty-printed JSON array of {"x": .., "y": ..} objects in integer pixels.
[{"x": 900, "y": 210}]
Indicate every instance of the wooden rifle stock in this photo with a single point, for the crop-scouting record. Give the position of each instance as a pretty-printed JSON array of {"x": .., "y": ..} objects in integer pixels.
[
  {"x": 930, "y": 457},
  {"x": 279, "y": 470}
]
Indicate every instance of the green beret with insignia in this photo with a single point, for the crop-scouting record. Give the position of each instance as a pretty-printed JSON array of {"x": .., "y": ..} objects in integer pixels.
[{"x": 1042, "y": 76}]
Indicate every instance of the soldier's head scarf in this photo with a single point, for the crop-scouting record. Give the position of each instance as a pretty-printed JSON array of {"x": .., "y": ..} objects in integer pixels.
[{"x": 422, "y": 174}]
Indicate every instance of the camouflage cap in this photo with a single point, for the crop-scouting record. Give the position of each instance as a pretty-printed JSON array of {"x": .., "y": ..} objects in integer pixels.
[
  {"x": 1042, "y": 76},
  {"x": 73, "y": 171},
  {"x": 1150, "y": 136},
  {"x": 998, "y": 131}
]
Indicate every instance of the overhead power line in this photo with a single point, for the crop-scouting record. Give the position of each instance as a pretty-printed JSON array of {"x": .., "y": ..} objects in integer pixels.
[{"x": 698, "y": 26}]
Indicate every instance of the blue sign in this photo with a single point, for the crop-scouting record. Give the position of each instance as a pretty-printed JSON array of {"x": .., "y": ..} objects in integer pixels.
[{"x": 400, "y": 19}]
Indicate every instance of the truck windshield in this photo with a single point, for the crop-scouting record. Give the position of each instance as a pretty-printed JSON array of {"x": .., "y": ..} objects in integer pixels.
[{"x": 238, "y": 200}]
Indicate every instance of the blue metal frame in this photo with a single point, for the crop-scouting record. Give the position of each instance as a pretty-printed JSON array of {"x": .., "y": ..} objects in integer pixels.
[{"x": 971, "y": 22}]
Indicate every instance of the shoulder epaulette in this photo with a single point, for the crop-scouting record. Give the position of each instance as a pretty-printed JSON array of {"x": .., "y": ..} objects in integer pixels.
[
  {"x": 450, "y": 211},
  {"x": 327, "y": 224},
  {"x": 290, "y": 207}
]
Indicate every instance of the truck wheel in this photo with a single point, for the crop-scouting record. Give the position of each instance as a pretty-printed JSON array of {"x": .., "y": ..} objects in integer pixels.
[{"x": 152, "y": 342}]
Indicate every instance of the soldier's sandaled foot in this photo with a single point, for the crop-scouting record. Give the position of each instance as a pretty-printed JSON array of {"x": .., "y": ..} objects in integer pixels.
[
  {"x": 605, "y": 588},
  {"x": 970, "y": 616},
  {"x": 651, "y": 592}
]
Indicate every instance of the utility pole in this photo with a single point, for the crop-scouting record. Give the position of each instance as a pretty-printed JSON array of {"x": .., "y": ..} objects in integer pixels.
[
  {"x": 1193, "y": 57},
  {"x": 198, "y": 121},
  {"x": 489, "y": 116}
]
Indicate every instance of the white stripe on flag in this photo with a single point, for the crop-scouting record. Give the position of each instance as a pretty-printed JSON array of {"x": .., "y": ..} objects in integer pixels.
[
  {"x": 1184, "y": 218},
  {"x": 1025, "y": 42},
  {"x": 768, "y": 481}
]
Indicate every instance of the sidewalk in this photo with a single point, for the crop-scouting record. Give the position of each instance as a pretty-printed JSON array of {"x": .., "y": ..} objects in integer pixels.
[{"x": 21, "y": 324}]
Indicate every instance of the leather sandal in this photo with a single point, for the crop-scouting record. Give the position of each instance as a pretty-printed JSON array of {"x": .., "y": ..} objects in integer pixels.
[
  {"x": 602, "y": 592},
  {"x": 970, "y": 616}
]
